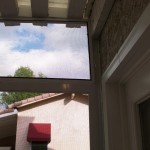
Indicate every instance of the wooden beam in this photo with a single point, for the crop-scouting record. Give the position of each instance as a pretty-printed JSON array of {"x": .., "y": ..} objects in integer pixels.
[
  {"x": 9, "y": 8},
  {"x": 12, "y": 23},
  {"x": 74, "y": 25},
  {"x": 76, "y": 9},
  {"x": 38, "y": 23},
  {"x": 99, "y": 15},
  {"x": 39, "y": 8}
]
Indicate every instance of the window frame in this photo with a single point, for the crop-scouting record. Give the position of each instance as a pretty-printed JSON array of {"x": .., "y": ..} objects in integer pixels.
[
  {"x": 41, "y": 22},
  {"x": 38, "y": 144},
  {"x": 68, "y": 85},
  {"x": 52, "y": 84}
]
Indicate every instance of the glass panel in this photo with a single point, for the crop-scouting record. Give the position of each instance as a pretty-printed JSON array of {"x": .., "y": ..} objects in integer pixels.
[
  {"x": 50, "y": 51},
  {"x": 68, "y": 114}
]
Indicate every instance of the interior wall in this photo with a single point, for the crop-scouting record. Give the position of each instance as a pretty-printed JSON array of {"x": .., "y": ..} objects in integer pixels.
[{"x": 122, "y": 18}]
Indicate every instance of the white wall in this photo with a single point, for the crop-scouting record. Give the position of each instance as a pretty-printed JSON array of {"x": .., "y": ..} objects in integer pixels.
[{"x": 69, "y": 120}]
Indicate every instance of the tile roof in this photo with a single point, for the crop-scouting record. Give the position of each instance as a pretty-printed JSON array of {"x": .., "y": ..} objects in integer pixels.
[
  {"x": 28, "y": 101},
  {"x": 32, "y": 100},
  {"x": 8, "y": 110}
]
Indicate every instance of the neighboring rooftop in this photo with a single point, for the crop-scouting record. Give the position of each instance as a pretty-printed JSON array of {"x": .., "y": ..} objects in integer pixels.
[
  {"x": 4, "y": 108},
  {"x": 43, "y": 97}
]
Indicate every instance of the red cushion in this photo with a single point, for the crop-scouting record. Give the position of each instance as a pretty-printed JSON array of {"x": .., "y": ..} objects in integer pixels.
[{"x": 39, "y": 132}]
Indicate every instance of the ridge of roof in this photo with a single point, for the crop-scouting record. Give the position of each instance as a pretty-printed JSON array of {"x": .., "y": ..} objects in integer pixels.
[
  {"x": 8, "y": 110},
  {"x": 32, "y": 100}
]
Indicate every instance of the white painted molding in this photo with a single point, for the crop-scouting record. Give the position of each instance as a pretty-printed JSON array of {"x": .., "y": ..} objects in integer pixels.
[
  {"x": 99, "y": 15},
  {"x": 139, "y": 28}
]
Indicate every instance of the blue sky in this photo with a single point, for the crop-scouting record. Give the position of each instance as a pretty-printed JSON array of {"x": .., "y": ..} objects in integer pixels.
[
  {"x": 54, "y": 50},
  {"x": 28, "y": 45}
]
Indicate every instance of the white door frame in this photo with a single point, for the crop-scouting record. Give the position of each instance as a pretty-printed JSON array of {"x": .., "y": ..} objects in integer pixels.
[{"x": 132, "y": 56}]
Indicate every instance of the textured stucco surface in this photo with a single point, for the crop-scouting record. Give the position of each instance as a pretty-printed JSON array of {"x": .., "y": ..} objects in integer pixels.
[
  {"x": 69, "y": 120},
  {"x": 122, "y": 18}
]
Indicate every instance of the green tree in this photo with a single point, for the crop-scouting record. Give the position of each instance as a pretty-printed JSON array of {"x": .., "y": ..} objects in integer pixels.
[
  {"x": 11, "y": 97},
  {"x": 24, "y": 72}
]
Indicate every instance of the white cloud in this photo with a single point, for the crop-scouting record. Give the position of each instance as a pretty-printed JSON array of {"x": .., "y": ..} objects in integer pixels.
[{"x": 61, "y": 56}]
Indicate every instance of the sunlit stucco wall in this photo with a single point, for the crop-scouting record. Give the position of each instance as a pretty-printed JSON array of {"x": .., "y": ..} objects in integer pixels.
[{"x": 69, "y": 120}]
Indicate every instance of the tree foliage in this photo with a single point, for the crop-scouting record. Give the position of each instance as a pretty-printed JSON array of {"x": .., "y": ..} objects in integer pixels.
[
  {"x": 11, "y": 97},
  {"x": 24, "y": 72}
]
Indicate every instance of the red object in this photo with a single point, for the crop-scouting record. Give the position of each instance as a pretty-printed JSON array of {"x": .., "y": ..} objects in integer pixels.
[{"x": 39, "y": 132}]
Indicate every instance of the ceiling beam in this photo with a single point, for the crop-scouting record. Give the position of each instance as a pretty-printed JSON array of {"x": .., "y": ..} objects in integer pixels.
[
  {"x": 76, "y": 9},
  {"x": 9, "y": 8},
  {"x": 39, "y": 8},
  {"x": 11, "y": 23},
  {"x": 57, "y": 12},
  {"x": 39, "y": 23},
  {"x": 99, "y": 15}
]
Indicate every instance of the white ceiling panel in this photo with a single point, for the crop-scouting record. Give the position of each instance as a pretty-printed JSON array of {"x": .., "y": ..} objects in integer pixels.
[
  {"x": 25, "y": 11},
  {"x": 24, "y": 8},
  {"x": 57, "y": 12},
  {"x": 72, "y": 9},
  {"x": 58, "y": 8}
]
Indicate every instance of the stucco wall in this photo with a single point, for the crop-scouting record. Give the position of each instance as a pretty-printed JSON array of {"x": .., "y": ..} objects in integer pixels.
[
  {"x": 69, "y": 120},
  {"x": 119, "y": 24}
]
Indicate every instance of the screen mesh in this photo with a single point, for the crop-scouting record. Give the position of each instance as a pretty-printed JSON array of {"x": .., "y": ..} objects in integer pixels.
[{"x": 44, "y": 50}]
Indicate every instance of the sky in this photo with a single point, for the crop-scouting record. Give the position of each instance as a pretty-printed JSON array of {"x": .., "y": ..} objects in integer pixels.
[{"x": 54, "y": 50}]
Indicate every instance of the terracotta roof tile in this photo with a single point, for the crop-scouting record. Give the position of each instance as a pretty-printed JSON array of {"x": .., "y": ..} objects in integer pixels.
[
  {"x": 38, "y": 97},
  {"x": 45, "y": 95},
  {"x": 11, "y": 106},
  {"x": 6, "y": 111},
  {"x": 31, "y": 100},
  {"x": 18, "y": 103},
  {"x": 24, "y": 101}
]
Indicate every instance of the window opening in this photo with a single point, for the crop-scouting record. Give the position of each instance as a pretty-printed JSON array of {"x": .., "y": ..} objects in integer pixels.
[
  {"x": 38, "y": 146},
  {"x": 46, "y": 50},
  {"x": 50, "y": 121}
]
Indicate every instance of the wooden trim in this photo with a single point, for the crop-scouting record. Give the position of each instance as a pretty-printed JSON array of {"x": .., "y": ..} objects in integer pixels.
[
  {"x": 39, "y": 8},
  {"x": 99, "y": 15},
  {"x": 76, "y": 8},
  {"x": 9, "y": 8}
]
